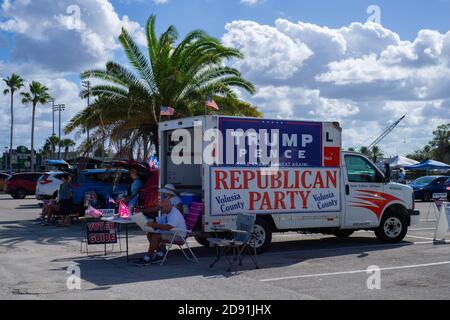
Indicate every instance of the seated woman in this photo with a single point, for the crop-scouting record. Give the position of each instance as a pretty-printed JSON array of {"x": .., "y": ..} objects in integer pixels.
[{"x": 49, "y": 209}]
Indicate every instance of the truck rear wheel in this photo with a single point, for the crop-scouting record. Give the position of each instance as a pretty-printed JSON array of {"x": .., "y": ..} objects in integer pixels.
[
  {"x": 263, "y": 232},
  {"x": 393, "y": 227}
]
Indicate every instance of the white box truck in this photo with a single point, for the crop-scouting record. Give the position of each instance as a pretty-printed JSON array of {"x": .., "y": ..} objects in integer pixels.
[{"x": 293, "y": 175}]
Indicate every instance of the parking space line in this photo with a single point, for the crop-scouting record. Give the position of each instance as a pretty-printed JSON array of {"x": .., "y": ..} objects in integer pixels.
[
  {"x": 356, "y": 271},
  {"x": 418, "y": 237},
  {"x": 393, "y": 245}
]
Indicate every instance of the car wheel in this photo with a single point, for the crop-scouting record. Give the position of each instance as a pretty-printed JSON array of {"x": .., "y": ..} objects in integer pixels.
[
  {"x": 20, "y": 194},
  {"x": 427, "y": 196},
  {"x": 393, "y": 227}
]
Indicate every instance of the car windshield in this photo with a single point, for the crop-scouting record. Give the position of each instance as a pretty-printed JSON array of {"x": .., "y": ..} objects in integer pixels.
[{"x": 423, "y": 181}]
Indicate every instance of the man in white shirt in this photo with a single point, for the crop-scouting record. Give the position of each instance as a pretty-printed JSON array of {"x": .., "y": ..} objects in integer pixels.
[{"x": 171, "y": 218}]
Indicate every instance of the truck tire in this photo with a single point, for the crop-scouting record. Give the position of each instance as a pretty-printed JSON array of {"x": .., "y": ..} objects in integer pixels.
[
  {"x": 19, "y": 194},
  {"x": 202, "y": 240},
  {"x": 393, "y": 227},
  {"x": 342, "y": 234},
  {"x": 263, "y": 231}
]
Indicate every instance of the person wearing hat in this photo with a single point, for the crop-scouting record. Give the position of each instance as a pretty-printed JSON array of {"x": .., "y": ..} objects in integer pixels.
[{"x": 169, "y": 192}]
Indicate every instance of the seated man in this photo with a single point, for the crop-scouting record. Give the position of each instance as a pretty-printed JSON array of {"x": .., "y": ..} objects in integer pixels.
[{"x": 171, "y": 218}]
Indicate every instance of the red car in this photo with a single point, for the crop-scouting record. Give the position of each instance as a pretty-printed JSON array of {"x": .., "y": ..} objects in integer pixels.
[{"x": 20, "y": 185}]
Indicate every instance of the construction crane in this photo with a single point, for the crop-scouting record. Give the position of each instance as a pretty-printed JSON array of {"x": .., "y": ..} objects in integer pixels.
[{"x": 386, "y": 132}]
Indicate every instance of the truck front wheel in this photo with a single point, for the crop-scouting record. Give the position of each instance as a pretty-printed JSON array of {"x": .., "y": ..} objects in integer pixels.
[
  {"x": 263, "y": 234},
  {"x": 393, "y": 227}
]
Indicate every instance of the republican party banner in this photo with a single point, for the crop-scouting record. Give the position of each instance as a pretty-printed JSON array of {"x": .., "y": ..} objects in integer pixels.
[{"x": 286, "y": 190}]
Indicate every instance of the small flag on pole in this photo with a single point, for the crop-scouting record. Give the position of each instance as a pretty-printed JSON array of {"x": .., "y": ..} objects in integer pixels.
[
  {"x": 153, "y": 162},
  {"x": 211, "y": 103},
  {"x": 111, "y": 200},
  {"x": 167, "y": 111}
]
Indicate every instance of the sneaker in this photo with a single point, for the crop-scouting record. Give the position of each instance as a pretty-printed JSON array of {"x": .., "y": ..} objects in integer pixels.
[
  {"x": 157, "y": 259},
  {"x": 142, "y": 262}
]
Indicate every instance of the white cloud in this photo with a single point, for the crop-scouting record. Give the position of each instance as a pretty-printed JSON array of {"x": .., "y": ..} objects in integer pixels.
[
  {"x": 250, "y": 2},
  {"x": 269, "y": 53},
  {"x": 69, "y": 35},
  {"x": 363, "y": 75}
]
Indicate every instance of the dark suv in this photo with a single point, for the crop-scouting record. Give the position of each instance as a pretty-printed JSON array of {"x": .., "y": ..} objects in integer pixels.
[{"x": 20, "y": 185}]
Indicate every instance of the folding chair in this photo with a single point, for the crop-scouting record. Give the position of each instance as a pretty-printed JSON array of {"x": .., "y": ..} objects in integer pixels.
[
  {"x": 179, "y": 237},
  {"x": 243, "y": 242}
]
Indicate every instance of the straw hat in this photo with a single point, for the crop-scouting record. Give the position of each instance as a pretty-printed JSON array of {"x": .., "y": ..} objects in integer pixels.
[{"x": 169, "y": 189}]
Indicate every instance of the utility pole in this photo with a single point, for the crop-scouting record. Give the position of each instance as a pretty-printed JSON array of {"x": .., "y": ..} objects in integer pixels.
[
  {"x": 87, "y": 85},
  {"x": 59, "y": 108}
]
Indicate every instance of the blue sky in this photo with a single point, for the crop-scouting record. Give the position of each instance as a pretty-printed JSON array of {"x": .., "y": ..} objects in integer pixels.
[
  {"x": 403, "y": 16},
  {"x": 313, "y": 60}
]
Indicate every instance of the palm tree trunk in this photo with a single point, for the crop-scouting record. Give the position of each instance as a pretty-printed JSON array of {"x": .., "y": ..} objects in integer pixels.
[
  {"x": 146, "y": 146},
  {"x": 12, "y": 132},
  {"x": 32, "y": 138}
]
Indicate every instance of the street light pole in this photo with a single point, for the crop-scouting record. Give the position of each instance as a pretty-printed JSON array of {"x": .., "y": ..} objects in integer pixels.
[{"x": 59, "y": 108}]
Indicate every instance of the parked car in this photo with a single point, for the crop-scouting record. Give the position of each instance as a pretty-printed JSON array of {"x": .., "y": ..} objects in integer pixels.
[
  {"x": 447, "y": 187},
  {"x": 48, "y": 185},
  {"x": 3, "y": 177},
  {"x": 20, "y": 185},
  {"x": 425, "y": 187},
  {"x": 102, "y": 182}
]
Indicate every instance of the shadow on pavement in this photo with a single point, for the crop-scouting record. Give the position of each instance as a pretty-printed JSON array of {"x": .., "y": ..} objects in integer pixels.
[{"x": 109, "y": 271}]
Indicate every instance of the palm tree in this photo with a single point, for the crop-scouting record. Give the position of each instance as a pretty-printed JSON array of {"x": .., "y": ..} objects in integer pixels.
[
  {"x": 38, "y": 93},
  {"x": 53, "y": 141},
  {"x": 376, "y": 153},
  {"x": 365, "y": 151},
  {"x": 67, "y": 144},
  {"x": 14, "y": 83},
  {"x": 178, "y": 75}
]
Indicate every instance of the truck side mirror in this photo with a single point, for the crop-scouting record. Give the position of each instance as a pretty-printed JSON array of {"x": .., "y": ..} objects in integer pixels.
[{"x": 387, "y": 172}]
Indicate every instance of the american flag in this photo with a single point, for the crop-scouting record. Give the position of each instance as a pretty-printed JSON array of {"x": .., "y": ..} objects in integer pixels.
[
  {"x": 211, "y": 103},
  {"x": 167, "y": 111},
  {"x": 111, "y": 200},
  {"x": 153, "y": 162}
]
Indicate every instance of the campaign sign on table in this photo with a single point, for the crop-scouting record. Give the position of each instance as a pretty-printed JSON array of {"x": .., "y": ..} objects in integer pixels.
[
  {"x": 101, "y": 232},
  {"x": 286, "y": 190},
  {"x": 286, "y": 143}
]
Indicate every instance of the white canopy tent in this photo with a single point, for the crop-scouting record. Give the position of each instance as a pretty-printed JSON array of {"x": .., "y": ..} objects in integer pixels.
[{"x": 401, "y": 162}]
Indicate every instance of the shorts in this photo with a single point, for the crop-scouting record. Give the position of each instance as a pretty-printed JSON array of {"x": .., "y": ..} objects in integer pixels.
[
  {"x": 65, "y": 207},
  {"x": 168, "y": 235}
]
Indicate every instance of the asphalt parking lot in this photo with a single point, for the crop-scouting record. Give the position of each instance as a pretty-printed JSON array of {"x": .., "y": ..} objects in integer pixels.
[{"x": 34, "y": 261}]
